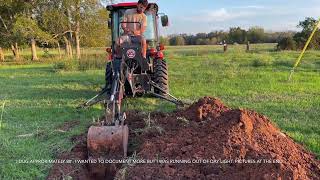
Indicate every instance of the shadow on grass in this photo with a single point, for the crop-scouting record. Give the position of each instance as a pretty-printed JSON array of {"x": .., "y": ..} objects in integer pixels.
[
  {"x": 53, "y": 93},
  {"x": 28, "y": 69}
]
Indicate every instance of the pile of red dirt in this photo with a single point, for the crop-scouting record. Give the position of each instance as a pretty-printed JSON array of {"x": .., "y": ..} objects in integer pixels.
[{"x": 209, "y": 141}]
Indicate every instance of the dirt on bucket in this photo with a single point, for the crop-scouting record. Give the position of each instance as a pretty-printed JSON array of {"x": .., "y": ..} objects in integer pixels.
[{"x": 208, "y": 140}]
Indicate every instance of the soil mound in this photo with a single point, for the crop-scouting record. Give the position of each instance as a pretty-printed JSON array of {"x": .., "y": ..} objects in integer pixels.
[
  {"x": 211, "y": 141},
  {"x": 205, "y": 108}
]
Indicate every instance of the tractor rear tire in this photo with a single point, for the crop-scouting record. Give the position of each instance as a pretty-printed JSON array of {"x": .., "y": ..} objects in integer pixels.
[
  {"x": 161, "y": 77},
  {"x": 108, "y": 77}
]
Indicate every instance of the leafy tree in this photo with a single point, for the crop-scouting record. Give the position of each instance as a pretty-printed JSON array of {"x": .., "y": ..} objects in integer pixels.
[
  {"x": 177, "y": 41},
  {"x": 237, "y": 35},
  {"x": 94, "y": 31},
  {"x": 164, "y": 40},
  {"x": 53, "y": 17},
  {"x": 54, "y": 22},
  {"x": 308, "y": 24},
  {"x": 201, "y": 36},
  {"x": 28, "y": 29},
  {"x": 219, "y": 35},
  {"x": 307, "y": 27},
  {"x": 190, "y": 39},
  {"x": 273, "y": 37},
  {"x": 287, "y": 43},
  {"x": 203, "y": 41},
  {"x": 256, "y": 35},
  {"x": 213, "y": 41},
  {"x": 81, "y": 22},
  {"x": 9, "y": 11}
]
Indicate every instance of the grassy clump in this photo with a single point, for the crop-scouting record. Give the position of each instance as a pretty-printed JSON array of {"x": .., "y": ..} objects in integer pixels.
[
  {"x": 81, "y": 65},
  {"x": 66, "y": 65},
  {"x": 262, "y": 60},
  {"x": 92, "y": 63}
]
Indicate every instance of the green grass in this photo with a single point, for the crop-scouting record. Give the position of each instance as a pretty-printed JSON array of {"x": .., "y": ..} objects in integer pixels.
[
  {"x": 50, "y": 56},
  {"x": 38, "y": 100}
]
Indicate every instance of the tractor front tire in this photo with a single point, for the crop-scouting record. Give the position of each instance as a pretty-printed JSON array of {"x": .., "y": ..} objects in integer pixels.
[{"x": 161, "y": 77}]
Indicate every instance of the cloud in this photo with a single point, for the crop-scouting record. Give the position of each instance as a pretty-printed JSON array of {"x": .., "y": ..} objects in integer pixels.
[
  {"x": 273, "y": 17},
  {"x": 220, "y": 15},
  {"x": 225, "y": 15},
  {"x": 249, "y": 7}
]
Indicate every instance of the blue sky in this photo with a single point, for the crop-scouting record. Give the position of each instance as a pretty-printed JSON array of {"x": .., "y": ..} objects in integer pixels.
[{"x": 209, "y": 15}]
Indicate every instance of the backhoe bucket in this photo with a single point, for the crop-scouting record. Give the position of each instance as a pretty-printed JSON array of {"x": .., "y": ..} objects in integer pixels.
[{"x": 106, "y": 143}]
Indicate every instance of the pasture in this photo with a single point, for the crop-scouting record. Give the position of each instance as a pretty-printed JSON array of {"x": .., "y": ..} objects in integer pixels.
[{"x": 39, "y": 99}]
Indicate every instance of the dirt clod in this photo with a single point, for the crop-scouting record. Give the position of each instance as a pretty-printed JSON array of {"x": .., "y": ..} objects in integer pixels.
[
  {"x": 205, "y": 108},
  {"x": 245, "y": 144}
]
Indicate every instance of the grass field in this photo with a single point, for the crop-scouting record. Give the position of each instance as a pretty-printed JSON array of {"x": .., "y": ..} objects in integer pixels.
[{"x": 38, "y": 100}]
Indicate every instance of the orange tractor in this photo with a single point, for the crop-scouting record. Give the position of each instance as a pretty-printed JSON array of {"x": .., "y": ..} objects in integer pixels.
[{"x": 130, "y": 75}]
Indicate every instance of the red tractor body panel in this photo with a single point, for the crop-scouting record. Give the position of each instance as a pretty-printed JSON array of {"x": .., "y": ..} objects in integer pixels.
[{"x": 128, "y": 4}]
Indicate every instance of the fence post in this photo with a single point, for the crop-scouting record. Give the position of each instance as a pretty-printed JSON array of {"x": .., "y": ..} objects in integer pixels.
[{"x": 225, "y": 46}]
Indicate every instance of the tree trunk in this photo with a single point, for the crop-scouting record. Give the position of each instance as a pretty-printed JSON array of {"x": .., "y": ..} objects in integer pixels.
[
  {"x": 34, "y": 50},
  {"x": 78, "y": 52},
  {"x": 59, "y": 50},
  {"x": 77, "y": 32},
  {"x": 70, "y": 40},
  {"x": 15, "y": 51},
  {"x": 18, "y": 49},
  {"x": 1, "y": 55},
  {"x": 68, "y": 48}
]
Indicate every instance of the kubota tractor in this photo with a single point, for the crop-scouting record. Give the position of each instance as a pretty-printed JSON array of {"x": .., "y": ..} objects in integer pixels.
[{"x": 128, "y": 75}]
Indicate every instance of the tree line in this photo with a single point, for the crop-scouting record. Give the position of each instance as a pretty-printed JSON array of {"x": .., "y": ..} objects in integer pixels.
[
  {"x": 235, "y": 35},
  {"x": 52, "y": 23},
  {"x": 289, "y": 40},
  {"x": 72, "y": 24},
  {"x": 299, "y": 39}
]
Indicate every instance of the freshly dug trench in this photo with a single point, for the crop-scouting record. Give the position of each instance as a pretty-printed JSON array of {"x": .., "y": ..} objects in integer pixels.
[{"x": 248, "y": 145}]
